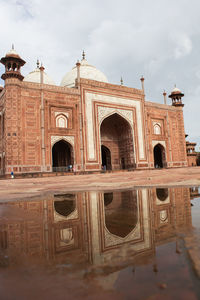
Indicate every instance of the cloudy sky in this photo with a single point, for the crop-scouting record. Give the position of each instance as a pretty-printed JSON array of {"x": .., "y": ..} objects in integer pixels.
[{"x": 159, "y": 39}]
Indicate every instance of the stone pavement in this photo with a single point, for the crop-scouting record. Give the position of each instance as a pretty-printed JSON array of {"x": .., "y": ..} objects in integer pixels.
[{"x": 13, "y": 189}]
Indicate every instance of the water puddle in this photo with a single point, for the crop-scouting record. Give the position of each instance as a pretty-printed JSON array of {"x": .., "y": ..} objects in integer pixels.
[{"x": 94, "y": 245}]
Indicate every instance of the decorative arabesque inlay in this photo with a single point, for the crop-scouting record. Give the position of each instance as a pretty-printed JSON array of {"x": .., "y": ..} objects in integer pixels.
[
  {"x": 67, "y": 138},
  {"x": 105, "y": 111}
]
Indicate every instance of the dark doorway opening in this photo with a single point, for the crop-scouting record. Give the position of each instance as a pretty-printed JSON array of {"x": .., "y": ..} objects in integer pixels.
[
  {"x": 159, "y": 156},
  {"x": 106, "y": 158},
  {"x": 162, "y": 194},
  {"x": 62, "y": 155}
]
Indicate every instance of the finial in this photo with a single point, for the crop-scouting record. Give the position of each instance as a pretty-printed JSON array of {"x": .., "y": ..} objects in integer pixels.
[
  {"x": 83, "y": 54},
  {"x": 38, "y": 64},
  {"x": 12, "y": 46},
  {"x": 175, "y": 85},
  {"x": 142, "y": 78},
  {"x": 77, "y": 63},
  {"x": 121, "y": 81},
  {"x": 41, "y": 67}
]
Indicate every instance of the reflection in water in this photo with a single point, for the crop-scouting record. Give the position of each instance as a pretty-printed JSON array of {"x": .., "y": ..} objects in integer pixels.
[
  {"x": 114, "y": 229},
  {"x": 108, "y": 198},
  {"x": 121, "y": 213},
  {"x": 93, "y": 222},
  {"x": 162, "y": 194},
  {"x": 65, "y": 205}
]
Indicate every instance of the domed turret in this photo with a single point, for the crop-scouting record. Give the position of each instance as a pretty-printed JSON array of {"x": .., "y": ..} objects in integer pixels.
[
  {"x": 86, "y": 71},
  {"x": 176, "y": 96},
  {"x": 13, "y": 63},
  {"x": 35, "y": 76}
]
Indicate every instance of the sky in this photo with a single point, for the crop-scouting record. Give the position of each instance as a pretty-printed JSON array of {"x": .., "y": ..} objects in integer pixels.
[{"x": 159, "y": 39}]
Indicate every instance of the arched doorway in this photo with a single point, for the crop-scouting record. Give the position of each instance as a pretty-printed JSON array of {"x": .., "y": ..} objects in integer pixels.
[
  {"x": 117, "y": 137},
  {"x": 62, "y": 156},
  {"x": 106, "y": 158},
  {"x": 159, "y": 156}
]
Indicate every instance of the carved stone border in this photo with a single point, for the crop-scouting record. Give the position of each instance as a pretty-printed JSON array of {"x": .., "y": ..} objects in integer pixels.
[
  {"x": 105, "y": 111},
  {"x": 154, "y": 143},
  {"x": 67, "y": 138}
]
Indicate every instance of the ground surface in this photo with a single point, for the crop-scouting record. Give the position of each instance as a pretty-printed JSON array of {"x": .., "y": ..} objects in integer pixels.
[{"x": 13, "y": 189}]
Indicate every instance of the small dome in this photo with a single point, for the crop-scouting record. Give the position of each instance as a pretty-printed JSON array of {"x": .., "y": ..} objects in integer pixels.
[
  {"x": 87, "y": 71},
  {"x": 34, "y": 76},
  {"x": 176, "y": 91},
  {"x": 12, "y": 53}
]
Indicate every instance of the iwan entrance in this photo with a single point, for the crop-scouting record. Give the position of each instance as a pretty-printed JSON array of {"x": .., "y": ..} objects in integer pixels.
[{"x": 117, "y": 151}]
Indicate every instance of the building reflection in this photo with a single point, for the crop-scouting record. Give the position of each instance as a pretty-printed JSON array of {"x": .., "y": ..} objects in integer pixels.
[{"x": 94, "y": 227}]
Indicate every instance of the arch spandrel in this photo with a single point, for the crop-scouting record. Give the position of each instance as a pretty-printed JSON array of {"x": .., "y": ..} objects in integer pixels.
[
  {"x": 104, "y": 112},
  {"x": 66, "y": 138}
]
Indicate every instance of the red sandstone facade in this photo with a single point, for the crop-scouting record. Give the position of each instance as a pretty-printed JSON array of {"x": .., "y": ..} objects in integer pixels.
[{"x": 45, "y": 128}]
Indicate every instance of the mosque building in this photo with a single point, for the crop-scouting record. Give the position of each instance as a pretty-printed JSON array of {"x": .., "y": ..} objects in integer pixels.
[{"x": 85, "y": 124}]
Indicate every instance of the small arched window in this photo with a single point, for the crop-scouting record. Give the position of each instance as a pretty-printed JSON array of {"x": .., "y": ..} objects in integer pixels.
[
  {"x": 157, "y": 129},
  {"x": 61, "y": 121}
]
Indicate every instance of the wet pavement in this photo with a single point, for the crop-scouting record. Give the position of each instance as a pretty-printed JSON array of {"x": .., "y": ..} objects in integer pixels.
[
  {"x": 12, "y": 189},
  {"x": 129, "y": 244}
]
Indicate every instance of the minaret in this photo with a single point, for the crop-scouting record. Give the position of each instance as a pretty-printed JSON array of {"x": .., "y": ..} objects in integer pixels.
[
  {"x": 12, "y": 107},
  {"x": 13, "y": 63},
  {"x": 121, "y": 81},
  {"x": 165, "y": 99},
  {"x": 78, "y": 71},
  {"x": 176, "y": 97}
]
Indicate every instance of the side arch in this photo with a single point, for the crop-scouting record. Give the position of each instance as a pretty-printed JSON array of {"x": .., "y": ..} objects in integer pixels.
[
  {"x": 159, "y": 154},
  {"x": 62, "y": 156}
]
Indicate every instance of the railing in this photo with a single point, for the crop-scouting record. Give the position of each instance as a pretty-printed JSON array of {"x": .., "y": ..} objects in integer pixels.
[{"x": 62, "y": 169}]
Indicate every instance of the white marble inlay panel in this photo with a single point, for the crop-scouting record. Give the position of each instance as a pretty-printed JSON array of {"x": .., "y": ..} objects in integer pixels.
[
  {"x": 67, "y": 138},
  {"x": 104, "y": 111},
  {"x": 154, "y": 143},
  {"x": 58, "y": 217},
  {"x": 90, "y": 98},
  {"x": 61, "y": 113}
]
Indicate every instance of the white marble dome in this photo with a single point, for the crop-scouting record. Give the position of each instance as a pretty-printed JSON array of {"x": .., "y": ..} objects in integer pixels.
[
  {"x": 176, "y": 91},
  {"x": 87, "y": 71},
  {"x": 34, "y": 76},
  {"x": 12, "y": 53}
]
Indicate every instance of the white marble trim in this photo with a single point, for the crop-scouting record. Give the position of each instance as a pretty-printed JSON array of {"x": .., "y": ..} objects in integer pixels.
[
  {"x": 90, "y": 98},
  {"x": 57, "y": 138}
]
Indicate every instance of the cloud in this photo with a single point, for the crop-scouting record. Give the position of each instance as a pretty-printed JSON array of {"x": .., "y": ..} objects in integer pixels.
[{"x": 158, "y": 39}]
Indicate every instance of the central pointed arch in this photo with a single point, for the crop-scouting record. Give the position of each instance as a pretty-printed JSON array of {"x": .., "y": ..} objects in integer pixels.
[{"x": 116, "y": 135}]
